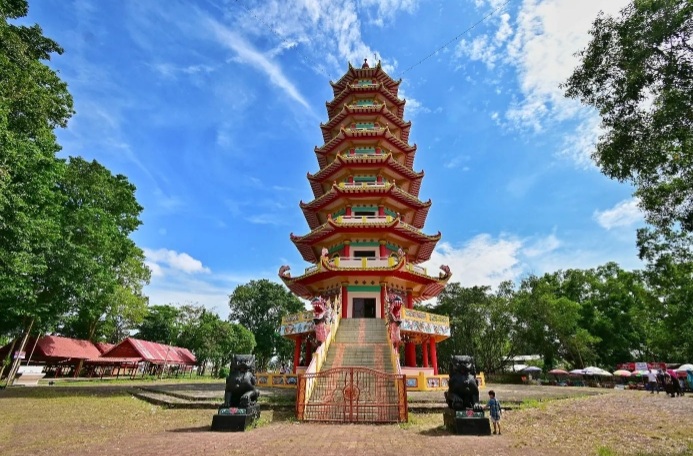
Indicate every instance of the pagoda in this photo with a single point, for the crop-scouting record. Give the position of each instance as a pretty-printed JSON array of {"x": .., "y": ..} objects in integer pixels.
[{"x": 366, "y": 243}]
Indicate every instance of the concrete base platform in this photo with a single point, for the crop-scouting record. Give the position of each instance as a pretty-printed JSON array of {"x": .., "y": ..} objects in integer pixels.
[
  {"x": 466, "y": 422},
  {"x": 230, "y": 419}
]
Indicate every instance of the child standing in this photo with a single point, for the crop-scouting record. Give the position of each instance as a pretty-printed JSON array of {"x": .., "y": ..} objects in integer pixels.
[{"x": 494, "y": 408}]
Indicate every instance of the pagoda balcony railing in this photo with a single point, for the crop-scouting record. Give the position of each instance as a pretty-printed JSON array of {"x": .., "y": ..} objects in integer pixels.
[
  {"x": 361, "y": 219},
  {"x": 367, "y": 263},
  {"x": 373, "y": 184},
  {"x": 378, "y": 152}
]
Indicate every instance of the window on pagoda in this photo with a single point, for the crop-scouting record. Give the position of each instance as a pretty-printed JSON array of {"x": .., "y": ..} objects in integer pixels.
[
  {"x": 364, "y": 253},
  {"x": 364, "y": 213},
  {"x": 365, "y": 125},
  {"x": 364, "y": 102}
]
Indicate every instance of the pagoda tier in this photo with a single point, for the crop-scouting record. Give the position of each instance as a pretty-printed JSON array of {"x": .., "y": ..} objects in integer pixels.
[
  {"x": 376, "y": 164},
  {"x": 356, "y": 74},
  {"x": 412, "y": 210},
  {"x": 376, "y": 114},
  {"x": 351, "y": 138},
  {"x": 354, "y": 93},
  {"x": 338, "y": 233},
  {"x": 329, "y": 276}
]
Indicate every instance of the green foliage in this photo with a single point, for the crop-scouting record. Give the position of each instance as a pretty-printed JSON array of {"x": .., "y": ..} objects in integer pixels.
[
  {"x": 223, "y": 372},
  {"x": 479, "y": 325},
  {"x": 160, "y": 324},
  {"x": 103, "y": 267},
  {"x": 638, "y": 72},
  {"x": 259, "y": 306},
  {"x": 669, "y": 313},
  {"x": 65, "y": 255},
  {"x": 213, "y": 339},
  {"x": 33, "y": 101}
]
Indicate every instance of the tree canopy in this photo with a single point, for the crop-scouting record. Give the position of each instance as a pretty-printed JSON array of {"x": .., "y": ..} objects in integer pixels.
[
  {"x": 33, "y": 101},
  {"x": 638, "y": 72},
  {"x": 259, "y": 306}
]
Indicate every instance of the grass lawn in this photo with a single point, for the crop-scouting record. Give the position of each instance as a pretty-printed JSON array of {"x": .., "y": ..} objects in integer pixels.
[{"x": 108, "y": 420}]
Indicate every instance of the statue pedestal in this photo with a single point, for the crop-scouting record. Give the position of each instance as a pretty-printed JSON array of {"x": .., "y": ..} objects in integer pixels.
[
  {"x": 232, "y": 419},
  {"x": 466, "y": 422}
]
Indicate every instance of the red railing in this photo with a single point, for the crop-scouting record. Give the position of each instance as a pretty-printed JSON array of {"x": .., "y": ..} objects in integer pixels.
[{"x": 352, "y": 395}]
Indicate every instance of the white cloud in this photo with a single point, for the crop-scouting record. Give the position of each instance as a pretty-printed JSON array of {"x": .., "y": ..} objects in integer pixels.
[
  {"x": 542, "y": 246},
  {"x": 157, "y": 271},
  {"x": 485, "y": 260},
  {"x": 173, "y": 260},
  {"x": 539, "y": 44},
  {"x": 331, "y": 30},
  {"x": 624, "y": 214},
  {"x": 246, "y": 53},
  {"x": 481, "y": 261},
  {"x": 456, "y": 161}
]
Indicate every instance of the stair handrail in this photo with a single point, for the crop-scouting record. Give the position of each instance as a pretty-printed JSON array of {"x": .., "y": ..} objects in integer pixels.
[
  {"x": 321, "y": 354},
  {"x": 394, "y": 354}
]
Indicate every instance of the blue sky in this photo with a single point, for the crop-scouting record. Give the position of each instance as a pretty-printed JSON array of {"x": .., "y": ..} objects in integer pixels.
[{"x": 212, "y": 109}]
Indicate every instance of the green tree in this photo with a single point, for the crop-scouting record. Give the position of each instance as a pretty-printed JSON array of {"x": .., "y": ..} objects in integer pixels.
[
  {"x": 480, "y": 325},
  {"x": 548, "y": 323},
  {"x": 33, "y": 101},
  {"x": 259, "y": 306},
  {"x": 668, "y": 316},
  {"x": 612, "y": 313},
  {"x": 214, "y": 340},
  {"x": 161, "y": 324},
  {"x": 99, "y": 260},
  {"x": 638, "y": 72}
]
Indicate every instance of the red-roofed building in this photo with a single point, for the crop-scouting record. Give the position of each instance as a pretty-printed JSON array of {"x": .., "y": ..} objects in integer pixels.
[
  {"x": 152, "y": 352},
  {"x": 104, "y": 346},
  {"x": 156, "y": 357},
  {"x": 57, "y": 349}
]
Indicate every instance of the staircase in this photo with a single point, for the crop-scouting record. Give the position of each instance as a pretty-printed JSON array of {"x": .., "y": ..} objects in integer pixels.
[
  {"x": 360, "y": 342},
  {"x": 356, "y": 382}
]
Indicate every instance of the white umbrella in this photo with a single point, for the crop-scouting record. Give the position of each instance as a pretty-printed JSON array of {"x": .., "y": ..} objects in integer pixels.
[
  {"x": 531, "y": 369},
  {"x": 685, "y": 367},
  {"x": 591, "y": 370},
  {"x": 577, "y": 372}
]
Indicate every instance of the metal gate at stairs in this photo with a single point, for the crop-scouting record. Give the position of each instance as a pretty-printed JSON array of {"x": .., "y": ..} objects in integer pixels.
[{"x": 352, "y": 395}]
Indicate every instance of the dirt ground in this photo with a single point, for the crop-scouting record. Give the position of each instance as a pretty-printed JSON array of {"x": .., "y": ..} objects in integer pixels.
[{"x": 105, "y": 421}]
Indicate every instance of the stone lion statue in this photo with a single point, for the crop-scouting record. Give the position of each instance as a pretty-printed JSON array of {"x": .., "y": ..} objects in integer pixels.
[
  {"x": 463, "y": 391},
  {"x": 394, "y": 319},
  {"x": 240, "y": 388},
  {"x": 320, "y": 318}
]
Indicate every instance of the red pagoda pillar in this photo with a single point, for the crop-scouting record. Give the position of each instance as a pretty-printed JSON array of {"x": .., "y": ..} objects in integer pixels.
[
  {"x": 434, "y": 356},
  {"x": 424, "y": 350},
  {"x": 297, "y": 351},
  {"x": 383, "y": 249},
  {"x": 345, "y": 301}
]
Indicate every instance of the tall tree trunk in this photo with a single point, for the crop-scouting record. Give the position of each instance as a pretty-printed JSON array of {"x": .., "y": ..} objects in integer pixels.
[
  {"x": 9, "y": 354},
  {"x": 17, "y": 359}
]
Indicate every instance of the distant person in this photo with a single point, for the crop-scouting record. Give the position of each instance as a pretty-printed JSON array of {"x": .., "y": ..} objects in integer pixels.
[
  {"x": 494, "y": 408},
  {"x": 282, "y": 370},
  {"x": 652, "y": 381}
]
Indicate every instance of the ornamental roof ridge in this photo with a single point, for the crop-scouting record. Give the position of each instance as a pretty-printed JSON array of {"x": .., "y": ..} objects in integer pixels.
[
  {"x": 344, "y": 133},
  {"x": 336, "y": 190},
  {"x": 356, "y": 72},
  {"x": 369, "y": 109},
  {"x": 377, "y": 87}
]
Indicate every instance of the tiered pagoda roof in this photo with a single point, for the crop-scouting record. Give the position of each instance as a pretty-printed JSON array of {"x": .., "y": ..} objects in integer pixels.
[
  {"x": 366, "y": 193},
  {"x": 356, "y": 163}
]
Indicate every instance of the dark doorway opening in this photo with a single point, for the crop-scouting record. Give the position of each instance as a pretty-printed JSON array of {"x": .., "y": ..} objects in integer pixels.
[{"x": 363, "y": 308}]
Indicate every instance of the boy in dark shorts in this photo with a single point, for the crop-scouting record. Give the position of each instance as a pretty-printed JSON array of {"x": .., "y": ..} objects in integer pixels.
[{"x": 494, "y": 408}]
